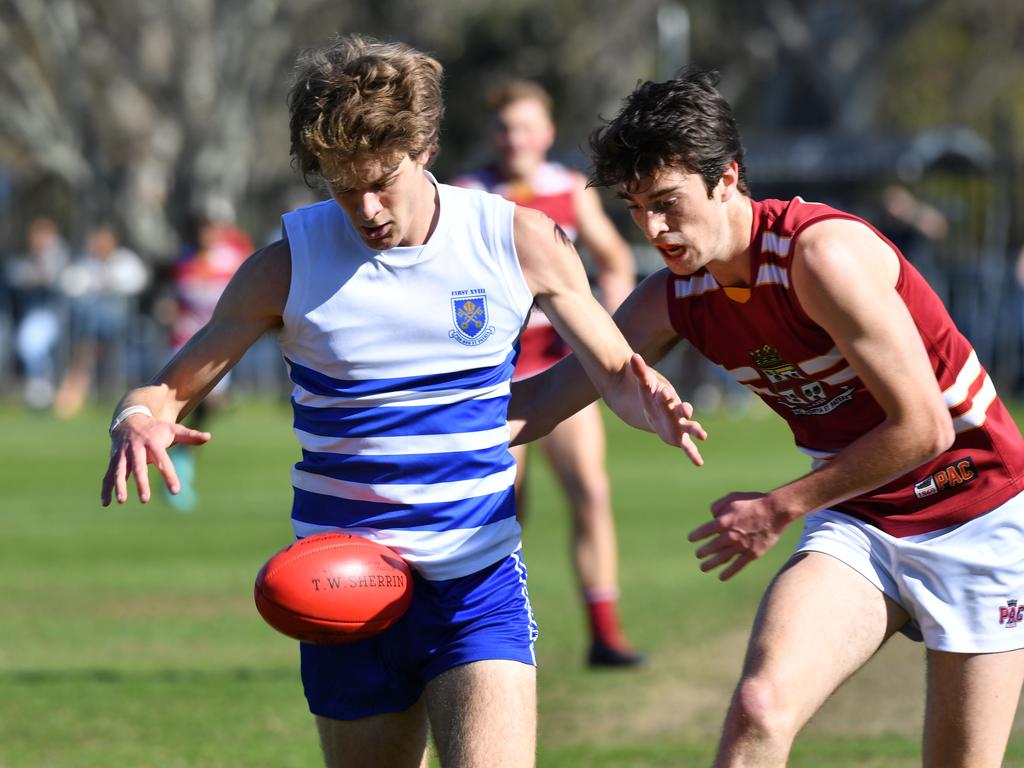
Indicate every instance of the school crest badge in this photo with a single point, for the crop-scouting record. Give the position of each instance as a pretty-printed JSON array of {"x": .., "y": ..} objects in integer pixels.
[{"x": 471, "y": 318}]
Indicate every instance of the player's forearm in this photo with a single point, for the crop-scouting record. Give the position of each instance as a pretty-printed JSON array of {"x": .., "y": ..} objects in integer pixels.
[
  {"x": 540, "y": 402},
  {"x": 173, "y": 392},
  {"x": 156, "y": 398},
  {"x": 621, "y": 398},
  {"x": 880, "y": 455},
  {"x": 204, "y": 360}
]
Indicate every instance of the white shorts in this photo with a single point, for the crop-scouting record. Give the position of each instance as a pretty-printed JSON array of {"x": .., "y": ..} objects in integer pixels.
[{"x": 963, "y": 586}]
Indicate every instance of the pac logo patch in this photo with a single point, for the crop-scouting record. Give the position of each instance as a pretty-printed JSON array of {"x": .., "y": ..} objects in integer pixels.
[
  {"x": 951, "y": 476},
  {"x": 1011, "y": 614},
  {"x": 470, "y": 316}
]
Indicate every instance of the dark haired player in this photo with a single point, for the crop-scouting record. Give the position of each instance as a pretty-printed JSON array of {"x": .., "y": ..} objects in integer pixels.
[{"x": 912, "y": 515}]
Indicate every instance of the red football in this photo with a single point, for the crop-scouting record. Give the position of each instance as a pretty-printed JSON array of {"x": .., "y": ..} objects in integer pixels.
[{"x": 333, "y": 588}]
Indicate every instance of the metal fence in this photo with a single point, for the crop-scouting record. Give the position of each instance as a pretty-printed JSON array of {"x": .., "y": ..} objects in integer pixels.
[{"x": 126, "y": 359}]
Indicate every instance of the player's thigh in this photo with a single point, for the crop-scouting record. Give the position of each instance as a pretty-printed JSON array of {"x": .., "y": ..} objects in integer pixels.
[
  {"x": 971, "y": 703},
  {"x": 818, "y": 622},
  {"x": 576, "y": 450},
  {"x": 484, "y": 713},
  {"x": 391, "y": 740}
]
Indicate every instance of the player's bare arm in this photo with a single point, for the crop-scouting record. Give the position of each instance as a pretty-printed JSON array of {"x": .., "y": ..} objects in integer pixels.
[
  {"x": 565, "y": 388},
  {"x": 845, "y": 277},
  {"x": 644, "y": 322},
  {"x": 643, "y": 319},
  {"x": 612, "y": 257},
  {"x": 556, "y": 278},
  {"x": 252, "y": 304}
]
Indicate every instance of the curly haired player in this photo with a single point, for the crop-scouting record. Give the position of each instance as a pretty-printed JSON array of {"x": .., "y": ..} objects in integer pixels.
[{"x": 398, "y": 304}]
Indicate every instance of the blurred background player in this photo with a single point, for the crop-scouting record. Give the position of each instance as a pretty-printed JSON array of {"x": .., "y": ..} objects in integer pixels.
[
  {"x": 200, "y": 278},
  {"x": 524, "y": 132},
  {"x": 102, "y": 287}
]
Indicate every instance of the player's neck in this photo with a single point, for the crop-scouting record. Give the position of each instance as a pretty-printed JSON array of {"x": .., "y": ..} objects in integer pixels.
[
  {"x": 427, "y": 214},
  {"x": 733, "y": 266}
]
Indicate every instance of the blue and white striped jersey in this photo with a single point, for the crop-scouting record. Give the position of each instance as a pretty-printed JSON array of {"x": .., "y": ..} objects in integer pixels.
[{"x": 401, "y": 362}]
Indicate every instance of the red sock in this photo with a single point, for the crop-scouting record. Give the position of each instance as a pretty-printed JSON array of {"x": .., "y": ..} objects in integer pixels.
[{"x": 605, "y": 627}]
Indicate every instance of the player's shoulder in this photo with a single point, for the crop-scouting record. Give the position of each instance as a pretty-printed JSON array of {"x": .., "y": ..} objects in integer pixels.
[
  {"x": 274, "y": 257},
  {"x": 653, "y": 289},
  {"x": 806, "y": 220},
  {"x": 531, "y": 224},
  {"x": 265, "y": 277},
  {"x": 839, "y": 255},
  {"x": 314, "y": 213},
  {"x": 824, "y": 239},
  {"x": 797, "y": 229},
  {"x": 540, "y": 244},
  {"x": 473, "y": 205}
]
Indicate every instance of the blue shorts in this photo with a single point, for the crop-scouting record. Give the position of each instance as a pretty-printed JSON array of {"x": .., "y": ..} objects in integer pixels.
[{"x": 479, "y": 617}]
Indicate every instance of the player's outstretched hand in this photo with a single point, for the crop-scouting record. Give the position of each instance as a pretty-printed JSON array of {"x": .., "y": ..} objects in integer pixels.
[
  {"x": 744, "y": 527},
  {"x": 138, "y": 441},
  {"x": 666, "y": 414}
]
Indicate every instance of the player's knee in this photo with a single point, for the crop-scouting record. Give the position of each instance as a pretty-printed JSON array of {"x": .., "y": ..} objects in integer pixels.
[
  {"x": 760, "y": 709},
  {"x": 590, "y": 496}
]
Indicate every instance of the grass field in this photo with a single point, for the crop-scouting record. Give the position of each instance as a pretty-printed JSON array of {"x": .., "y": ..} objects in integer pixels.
[{"x": 128, "y": 636}]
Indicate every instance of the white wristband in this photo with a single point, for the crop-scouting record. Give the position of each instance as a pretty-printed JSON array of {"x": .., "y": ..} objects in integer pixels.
[{"x": 131, "y": 410}]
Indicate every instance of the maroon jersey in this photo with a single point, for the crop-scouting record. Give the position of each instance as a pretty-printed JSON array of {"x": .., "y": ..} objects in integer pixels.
[
  {"x": 551, "y": 191},
  {"x": 765, "y": 339}
]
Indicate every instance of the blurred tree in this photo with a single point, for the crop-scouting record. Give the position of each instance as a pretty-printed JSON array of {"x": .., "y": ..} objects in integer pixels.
[
  {"x": 803, "y": 65},
  {"x": 151, "y": 109},
  {"x": 143, "y": 107},
  {"x": 981, "y": 43}
]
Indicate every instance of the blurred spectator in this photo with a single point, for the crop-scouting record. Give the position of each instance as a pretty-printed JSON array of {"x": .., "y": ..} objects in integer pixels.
[
  {"x": 200, "y": 277},
  {"x": 915, "y": 226},
  {"x": 33, "y": 279},
  {"x": 902, "y": 205},
  {"x": 6, "y": 329},
  {"x": 102, "y": 286}
]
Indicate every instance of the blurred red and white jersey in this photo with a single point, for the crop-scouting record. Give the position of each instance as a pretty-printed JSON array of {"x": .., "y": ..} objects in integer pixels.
[
  {"x": 552, "y": 191},
  {"x": 201, "y": 277}
]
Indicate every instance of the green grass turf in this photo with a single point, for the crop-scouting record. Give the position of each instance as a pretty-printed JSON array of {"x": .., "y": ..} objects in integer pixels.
[{"x": 128, "y": 636}]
